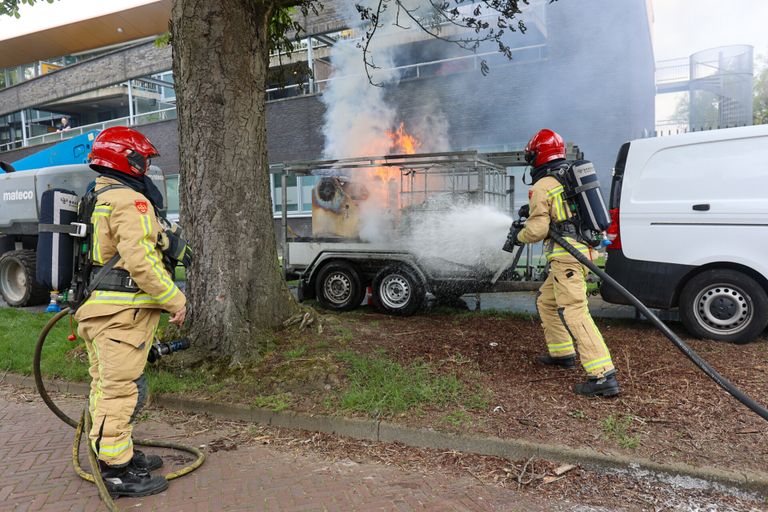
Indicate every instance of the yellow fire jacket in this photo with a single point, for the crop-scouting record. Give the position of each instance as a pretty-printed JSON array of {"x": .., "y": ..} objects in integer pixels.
[
  {"x": 124, "y": 221},
  {"x": 547, "y": 205}
]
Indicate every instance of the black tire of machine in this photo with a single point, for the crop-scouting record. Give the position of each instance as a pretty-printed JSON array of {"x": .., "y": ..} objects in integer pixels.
[
  {"x": 338, "y": 286},
  {"x": 398, "y": 290},
  {"x": 724, "y": 305},
  {"x": 18, "y": 285}
]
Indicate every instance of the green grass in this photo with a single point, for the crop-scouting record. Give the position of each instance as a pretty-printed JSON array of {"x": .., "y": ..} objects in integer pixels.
[
  {"x": 296, "y": 353},
  {"x": 344, "y": 334},
  {"x": 457, "y": 418},
  {"x": 578, "y": 414},
  {"x": 18, "y": 337},
  {"x": 67, "y": 359},
  {"x": 617, "y": 428},
  {"x": 278, "y": 402},
  {"x": 381, "y": 387}
]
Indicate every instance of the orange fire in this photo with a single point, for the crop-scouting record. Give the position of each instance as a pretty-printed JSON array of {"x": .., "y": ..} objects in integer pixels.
[
  {"x": 384, "y": 182},
  {"x": 402, "y": 141}
]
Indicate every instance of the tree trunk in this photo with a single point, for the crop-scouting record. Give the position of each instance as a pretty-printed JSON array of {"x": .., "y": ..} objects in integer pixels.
[{"x": 237, "y": 294}]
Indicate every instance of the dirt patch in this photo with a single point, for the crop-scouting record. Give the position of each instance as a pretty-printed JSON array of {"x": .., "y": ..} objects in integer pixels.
[
  {"x": 677, "y": 413},
  {"x": 668, "y": 411}
]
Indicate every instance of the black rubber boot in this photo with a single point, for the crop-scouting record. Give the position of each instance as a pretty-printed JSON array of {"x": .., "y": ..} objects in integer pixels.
[
  {"x": 148, "y": 462},
  {"x": 568, "y": 362},
  {"x": 131, "y": 480},
  {"x": 605, "y": 386}
]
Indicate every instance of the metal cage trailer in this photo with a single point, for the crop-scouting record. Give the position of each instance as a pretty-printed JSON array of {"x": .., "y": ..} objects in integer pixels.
[{"x": 338, "y": 266}]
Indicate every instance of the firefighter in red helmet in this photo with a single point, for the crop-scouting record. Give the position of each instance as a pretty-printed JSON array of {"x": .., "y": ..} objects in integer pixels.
[
  {"x": 562, "y": 299},
  {"x": 119, "y": 318}
]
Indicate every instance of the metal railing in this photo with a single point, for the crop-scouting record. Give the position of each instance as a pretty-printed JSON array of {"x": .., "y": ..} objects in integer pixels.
[
  {"x": 668, "y": 128},
  {"x": 427, "y": 69},
  {"x": 679, "y": 70},
  {"x": 673, "y": 70},
  {"x": 138, "y": 119}
]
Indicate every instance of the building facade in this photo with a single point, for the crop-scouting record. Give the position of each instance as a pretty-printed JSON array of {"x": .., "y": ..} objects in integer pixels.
[{"x": 584, "y": 69}]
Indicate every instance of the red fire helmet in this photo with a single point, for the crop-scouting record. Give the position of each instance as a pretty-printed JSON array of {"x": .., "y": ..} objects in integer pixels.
[
  {"x": 544, "y": 147},
  {"x": 122, "y": 149}
]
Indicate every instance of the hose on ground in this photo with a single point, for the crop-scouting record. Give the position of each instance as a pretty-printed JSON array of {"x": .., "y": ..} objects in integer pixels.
[
  {"x": 710, "y": 372},
  {"x": 83, "y": 427}
]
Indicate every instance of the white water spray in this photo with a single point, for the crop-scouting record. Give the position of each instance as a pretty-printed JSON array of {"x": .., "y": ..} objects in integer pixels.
[{"x": 469, "y": 236}]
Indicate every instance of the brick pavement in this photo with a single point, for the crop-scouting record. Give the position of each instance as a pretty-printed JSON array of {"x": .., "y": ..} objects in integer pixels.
[{"x": 36, "y": 475}]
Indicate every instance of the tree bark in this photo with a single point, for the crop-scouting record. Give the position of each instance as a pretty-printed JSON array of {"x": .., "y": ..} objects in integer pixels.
[{"x": 237, "y": 294}]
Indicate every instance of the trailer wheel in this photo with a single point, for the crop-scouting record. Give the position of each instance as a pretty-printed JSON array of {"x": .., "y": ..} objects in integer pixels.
[
  {"x": 724, "y": 305},
  {"x": 17, "y": 279},
  {"x": 398, "y": 290},
  {"x": 338, "y": 287}
]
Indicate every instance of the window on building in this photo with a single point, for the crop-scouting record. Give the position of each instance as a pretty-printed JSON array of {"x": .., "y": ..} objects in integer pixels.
[
  {"x": 172, "y": 195},
  {"x": 299, "y": 190}
]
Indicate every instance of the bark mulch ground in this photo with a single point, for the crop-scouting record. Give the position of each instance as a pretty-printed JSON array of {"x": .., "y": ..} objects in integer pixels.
[{"x": 668, "y": 411}]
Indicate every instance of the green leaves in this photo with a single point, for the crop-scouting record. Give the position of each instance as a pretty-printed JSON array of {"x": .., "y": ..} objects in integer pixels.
[{"x": 11, "y": 7}]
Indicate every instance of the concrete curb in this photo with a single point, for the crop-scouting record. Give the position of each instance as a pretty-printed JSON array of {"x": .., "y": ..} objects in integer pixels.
[{"x": 382, "y": 431}]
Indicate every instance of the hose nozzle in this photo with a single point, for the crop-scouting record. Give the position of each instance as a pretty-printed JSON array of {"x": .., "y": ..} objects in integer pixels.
[{"x": 159, "y": 349}]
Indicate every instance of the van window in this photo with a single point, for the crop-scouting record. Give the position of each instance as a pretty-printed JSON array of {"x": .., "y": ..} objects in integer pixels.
[
  {"x": 729, "y": 169},
  {"x": 618, "y": 176}
]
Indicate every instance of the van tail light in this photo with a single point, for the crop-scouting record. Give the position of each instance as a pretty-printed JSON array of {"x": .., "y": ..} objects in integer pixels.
[{"x": 613, "y": 233}]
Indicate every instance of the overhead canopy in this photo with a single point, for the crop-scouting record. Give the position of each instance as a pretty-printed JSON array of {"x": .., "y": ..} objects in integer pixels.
[{"x": 102, "y": 29}]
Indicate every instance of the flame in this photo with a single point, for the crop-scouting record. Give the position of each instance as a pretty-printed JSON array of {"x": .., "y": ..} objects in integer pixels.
[
  {"x": 403, "y": 142},
  {"x": 383, "y": 183}
]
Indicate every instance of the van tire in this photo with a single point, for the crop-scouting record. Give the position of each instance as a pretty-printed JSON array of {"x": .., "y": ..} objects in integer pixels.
[
  {"x": 398, "y": 290},
  {"x": 338, "y": 286},
  {"x": 724, "y": 305},
  {"x": 17, "y": 279}
]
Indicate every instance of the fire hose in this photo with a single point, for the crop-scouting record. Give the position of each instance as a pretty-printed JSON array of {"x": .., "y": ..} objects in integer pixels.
[
  {"x": 84, "y": 426},
  {"x": 710, "y": 372}
]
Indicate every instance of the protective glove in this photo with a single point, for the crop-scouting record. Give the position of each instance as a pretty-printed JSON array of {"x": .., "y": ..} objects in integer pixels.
[
  {"x": 173, "y": 244},
  {"x": 524, "y": 212},
  {"x": 512, "y": 241}
]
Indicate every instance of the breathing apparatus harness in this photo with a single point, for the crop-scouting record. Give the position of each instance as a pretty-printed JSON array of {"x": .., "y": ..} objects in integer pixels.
[
  {"x": 581, "y": 193},
  {"x": 589, "y": 218},
  {"x": 85, "y": 276},
  {"x": 80, "y": 279}
]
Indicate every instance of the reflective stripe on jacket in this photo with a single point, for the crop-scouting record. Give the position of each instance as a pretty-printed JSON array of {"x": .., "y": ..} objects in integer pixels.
[
  {"x": 547, "y": 205},
  {"x": 124, "y": 221}
]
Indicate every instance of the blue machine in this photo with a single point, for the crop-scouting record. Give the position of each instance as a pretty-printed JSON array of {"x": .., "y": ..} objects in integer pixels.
[{"x": 66, "y": 152}]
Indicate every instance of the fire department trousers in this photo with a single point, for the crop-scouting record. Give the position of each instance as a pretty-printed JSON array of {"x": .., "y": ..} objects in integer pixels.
[
  {"x": 562, "y": 305},
  {"x": 117, "y": 346}
]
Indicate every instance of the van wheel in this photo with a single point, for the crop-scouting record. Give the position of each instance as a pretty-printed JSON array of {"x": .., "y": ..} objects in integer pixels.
[
  {"x": 338, "y": 287},
  {"x": 398, "y": 290},
  {"x": 17, "y": 279},
  {"x": 724, "y": 305}
]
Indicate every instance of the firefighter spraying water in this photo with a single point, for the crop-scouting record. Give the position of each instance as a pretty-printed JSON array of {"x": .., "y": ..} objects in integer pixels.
[
  {"x": 572, "y": 215},
  {"x": 562, "y": 299}
]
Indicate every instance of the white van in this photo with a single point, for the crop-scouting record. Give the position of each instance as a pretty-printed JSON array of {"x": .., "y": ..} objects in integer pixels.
[{"x": 690, "y": 229}]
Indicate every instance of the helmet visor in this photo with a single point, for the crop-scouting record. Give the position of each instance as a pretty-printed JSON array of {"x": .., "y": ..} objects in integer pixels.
[
  {"x": 138, "y": 161},
  {"x": 529, "y": 156}
]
